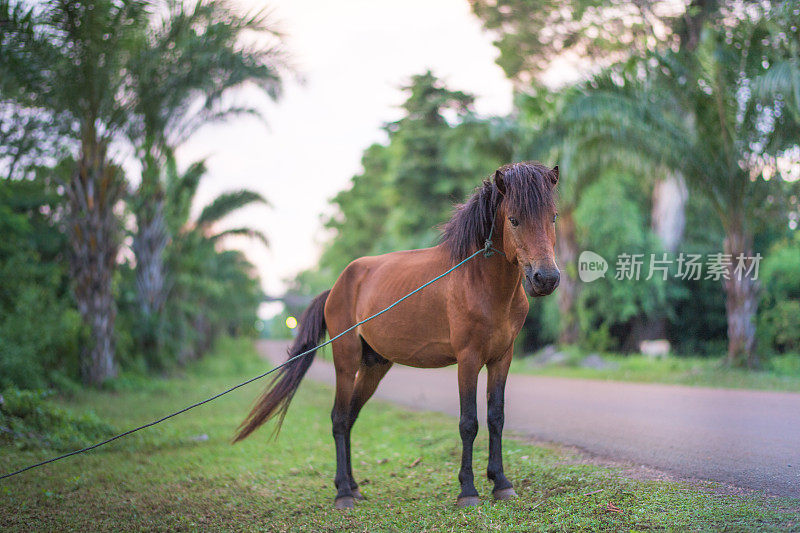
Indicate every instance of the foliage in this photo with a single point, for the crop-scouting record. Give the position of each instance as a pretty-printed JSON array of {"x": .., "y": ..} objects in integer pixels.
[
  {"x": 29, "y": 420},
  {"x": 79, "y": 80},
  {"x": 779, "y": 316},
  {"x": 421, "y": 180},
  {"x": 186, "y": 64},
  {"x": 694, "y": 114},
  {"x": 533, "y": 35},
  {"x": 612, "y": 224},
  {"x": 541, "y": 326},
  {"x": 698, "y": 325},
  {"x": 184, "y": 69},
  {"x": 40, "y": 330},
  {"x": 214, "y": 291},
  {"x": 67, "y": 60}
]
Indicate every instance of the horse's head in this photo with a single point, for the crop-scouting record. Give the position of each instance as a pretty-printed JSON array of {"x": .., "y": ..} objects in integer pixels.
[{"x": 528, "y": 213}]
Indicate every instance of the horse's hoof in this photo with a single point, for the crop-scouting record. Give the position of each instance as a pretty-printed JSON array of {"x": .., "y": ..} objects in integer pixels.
[
  {"x": 467, "y": 501},
  {"x": 345, "y": 502},
  {"x": 358, "y": 496},
  {"x": 504, "y": 494}
]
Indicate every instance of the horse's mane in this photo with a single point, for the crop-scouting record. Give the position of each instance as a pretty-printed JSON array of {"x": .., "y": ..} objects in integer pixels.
[{"x": 528, "y": 193}]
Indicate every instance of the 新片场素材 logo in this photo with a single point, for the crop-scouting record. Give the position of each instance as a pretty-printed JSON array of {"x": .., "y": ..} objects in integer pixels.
[{"x": 591, "y": 266}]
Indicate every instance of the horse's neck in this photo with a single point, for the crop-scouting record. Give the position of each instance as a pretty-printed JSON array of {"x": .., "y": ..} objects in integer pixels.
[{"x": 496, "y": 277}]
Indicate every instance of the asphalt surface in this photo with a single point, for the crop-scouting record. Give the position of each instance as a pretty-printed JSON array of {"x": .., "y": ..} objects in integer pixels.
[{"x": 749, "y": 439}]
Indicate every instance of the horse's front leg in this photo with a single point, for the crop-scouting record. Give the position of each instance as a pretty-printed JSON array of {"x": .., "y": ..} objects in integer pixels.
[
  {"x": 495, "y": 391},
  {"x": 468, "y": 369}
]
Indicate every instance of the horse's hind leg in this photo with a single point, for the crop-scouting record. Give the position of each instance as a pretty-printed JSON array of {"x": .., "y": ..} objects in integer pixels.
[
  {"x": 346, "y": 356},
  {"x": 372, "y": 369}
]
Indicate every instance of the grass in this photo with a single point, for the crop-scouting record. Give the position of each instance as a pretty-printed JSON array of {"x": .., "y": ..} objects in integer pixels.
[
  {"x": 780, "y": 373},
  {"x": 171, "y": 477}
]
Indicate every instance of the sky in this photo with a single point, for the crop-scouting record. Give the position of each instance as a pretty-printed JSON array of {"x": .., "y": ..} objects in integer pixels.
[{"x": 353, "y": 56}]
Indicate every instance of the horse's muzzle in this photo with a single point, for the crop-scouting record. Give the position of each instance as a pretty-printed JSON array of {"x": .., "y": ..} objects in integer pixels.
[{"x": 541, "y": 281}]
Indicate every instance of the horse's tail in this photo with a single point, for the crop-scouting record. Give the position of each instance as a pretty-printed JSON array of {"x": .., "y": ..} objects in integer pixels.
[{"x": 279, "y": 393}]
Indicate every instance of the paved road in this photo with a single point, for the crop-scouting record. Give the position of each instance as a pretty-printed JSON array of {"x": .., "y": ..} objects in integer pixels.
[{"x": 750, "y": 439}]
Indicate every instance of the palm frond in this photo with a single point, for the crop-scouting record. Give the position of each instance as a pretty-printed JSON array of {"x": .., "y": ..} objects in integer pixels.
[
  {"x": 227, "y": 203},
  {"x": 193, "y": 57},
  {"x": 181, "y": 131},
  {"x": 781, "y": 80},
  {"x": 246, "y": 232},
  {"x": 180, "y": 191}
]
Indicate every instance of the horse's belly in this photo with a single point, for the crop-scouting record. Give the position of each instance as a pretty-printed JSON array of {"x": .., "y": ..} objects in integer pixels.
[{"x": 410, "y": 347}]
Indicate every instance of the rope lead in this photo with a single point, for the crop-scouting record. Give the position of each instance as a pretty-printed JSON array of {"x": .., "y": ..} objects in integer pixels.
[{"x": 487, "y": 251}]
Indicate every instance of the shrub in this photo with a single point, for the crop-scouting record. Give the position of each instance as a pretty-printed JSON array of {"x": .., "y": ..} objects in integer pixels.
[
  {"x": 779, "y": 313},
  {"x": 40, "y": 329},
  {"x": 29, "y": 420}
]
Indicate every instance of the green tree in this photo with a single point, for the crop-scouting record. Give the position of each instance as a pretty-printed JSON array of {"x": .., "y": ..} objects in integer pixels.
[
  {"x": 362, "y": 211},
  {"x": 611, "y": 221},
  {"x": 421, "y": 181},
  {"x": 67, "y": 59},
  {"x": 538, "y": 109},
  {"x": 40, "y": 330},
  {"x": 408, "y": 186},
  {"x": 190, "y": 60},
  {"x": 213, "y": 290},
  {"x": 696, "y": 115},
  {"x": 435, "y": 156},
  {"x": 783, "y": 75},
  {"x": 535, "y": 35},
  {"x": 78, "y": 76}
]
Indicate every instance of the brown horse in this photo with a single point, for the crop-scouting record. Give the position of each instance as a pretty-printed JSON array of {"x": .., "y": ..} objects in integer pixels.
[{"x": 471, "y": 317}]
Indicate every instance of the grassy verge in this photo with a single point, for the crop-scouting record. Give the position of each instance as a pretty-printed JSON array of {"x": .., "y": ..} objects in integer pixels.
[
  {"x": 184, "y": 475},
  {"x": 780, "y": 373}
]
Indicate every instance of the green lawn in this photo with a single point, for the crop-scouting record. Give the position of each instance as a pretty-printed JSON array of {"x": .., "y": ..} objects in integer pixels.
[
  {"x": 780, "y": 373},
  {"x": 168, "y": 479}
]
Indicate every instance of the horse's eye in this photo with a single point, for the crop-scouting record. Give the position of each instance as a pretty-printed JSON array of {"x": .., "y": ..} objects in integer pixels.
[
  {"x": 555, "y": 217},
  {"x": 514, "y": 221}
]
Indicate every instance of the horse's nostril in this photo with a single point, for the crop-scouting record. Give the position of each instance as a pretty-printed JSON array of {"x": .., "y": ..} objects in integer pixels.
[{"x": 537, "y": 276}]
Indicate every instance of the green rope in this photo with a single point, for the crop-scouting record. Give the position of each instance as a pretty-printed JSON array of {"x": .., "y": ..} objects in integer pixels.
[{"x": 488, "y": 250}]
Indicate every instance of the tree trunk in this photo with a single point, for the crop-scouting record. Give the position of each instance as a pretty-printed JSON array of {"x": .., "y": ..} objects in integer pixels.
[
  {"x": 148, "y": 246},
  {"x": 93, "y": 232},
  {"x": 668, "y": 218},
  {"x": 741, "y": 301},
  {"x": 149, "y": 243},
  {"x": 567, "y": 254}
]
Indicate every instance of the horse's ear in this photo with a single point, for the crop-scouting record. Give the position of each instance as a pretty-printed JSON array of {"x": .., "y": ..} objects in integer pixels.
[
  {"x": 554, "y": 175},
  {"x": 499, "y": 181}
]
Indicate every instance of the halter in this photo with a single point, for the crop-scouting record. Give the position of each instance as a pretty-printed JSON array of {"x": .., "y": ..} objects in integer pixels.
[{"x": 488, "y": 249}]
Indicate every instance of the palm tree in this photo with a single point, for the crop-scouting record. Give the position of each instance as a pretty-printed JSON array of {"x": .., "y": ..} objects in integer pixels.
[
  {"x": 601, "y": 33},
  {"x": 695, "y": 115},
  {"x": 66, "y": 60},
  {"x": 581, "y": 163},
  {"x": 201, "y": 273},
  {"x": 190, "y": 61},
  {"x": 540, "y": 139}
]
